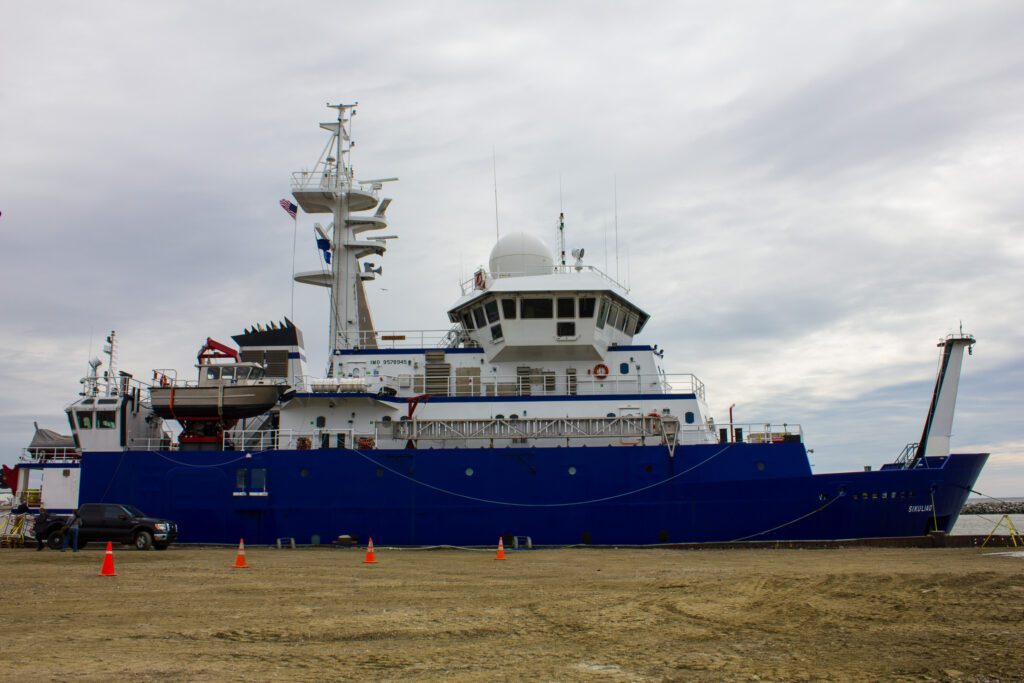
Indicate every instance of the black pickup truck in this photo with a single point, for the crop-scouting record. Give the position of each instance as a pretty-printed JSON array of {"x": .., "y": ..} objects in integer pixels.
[{"x": 102, "y": 522}]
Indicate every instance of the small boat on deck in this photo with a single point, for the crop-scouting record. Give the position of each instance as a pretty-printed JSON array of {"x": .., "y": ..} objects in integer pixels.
[{"x": 227, "y": 390}]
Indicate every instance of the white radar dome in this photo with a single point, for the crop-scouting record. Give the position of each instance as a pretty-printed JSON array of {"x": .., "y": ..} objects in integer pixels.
[{"x": 520, "y": 254}]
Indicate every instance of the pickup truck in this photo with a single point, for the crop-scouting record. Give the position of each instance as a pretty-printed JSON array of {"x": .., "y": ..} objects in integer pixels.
[{"x": 102, "y": 522}]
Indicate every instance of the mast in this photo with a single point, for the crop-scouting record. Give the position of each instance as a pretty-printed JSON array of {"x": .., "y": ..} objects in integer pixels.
[{"x": 331, "y": 187}]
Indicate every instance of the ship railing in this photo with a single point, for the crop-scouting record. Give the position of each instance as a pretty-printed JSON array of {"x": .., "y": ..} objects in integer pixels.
[
  {"x": 906, "y": 456},
  {"x": 480, "y": 280},
  {"x": 403, "y": 339},
  {"x": 626, "y": 428},
  {"x": 168, "y": 377},
  {"x": 50, "y": 455},
  {"x": 547, "y": 383},
  {"x": 294, "y": 439},
  {"x": 329, "y": 181},
  {"x": 758, "y": 432},
  {"x": 123, "y": 385},
  {"x": 155, "y": 443}
]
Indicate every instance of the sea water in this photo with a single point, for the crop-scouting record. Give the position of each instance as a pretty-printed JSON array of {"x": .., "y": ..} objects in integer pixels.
[{"x": 982, "y": 525}]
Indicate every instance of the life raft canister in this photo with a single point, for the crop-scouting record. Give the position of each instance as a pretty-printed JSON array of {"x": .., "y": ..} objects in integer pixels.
[{"x": 600, "y": 371}]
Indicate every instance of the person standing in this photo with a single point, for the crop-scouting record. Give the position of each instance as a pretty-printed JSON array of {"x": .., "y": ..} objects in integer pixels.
[
  {"x": 74, "y": 524},
  {"x": 39, "y": 527}
]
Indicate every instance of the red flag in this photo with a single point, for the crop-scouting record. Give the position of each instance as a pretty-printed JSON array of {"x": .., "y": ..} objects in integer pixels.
[{"x": 10, "y": 478}]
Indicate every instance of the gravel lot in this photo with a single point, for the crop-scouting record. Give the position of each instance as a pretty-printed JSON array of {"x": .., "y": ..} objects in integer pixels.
[{"x": 549, "y": 615}]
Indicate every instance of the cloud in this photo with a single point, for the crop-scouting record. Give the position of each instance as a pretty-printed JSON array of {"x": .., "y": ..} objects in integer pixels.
[{"x": 809, "y": 196}]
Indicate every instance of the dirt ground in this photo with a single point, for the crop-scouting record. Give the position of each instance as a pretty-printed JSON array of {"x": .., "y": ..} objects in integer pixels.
[{"x": 543, "y": 615}]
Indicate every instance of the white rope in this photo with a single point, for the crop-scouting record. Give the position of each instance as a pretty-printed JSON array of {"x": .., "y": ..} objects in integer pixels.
[
  {"x": 539, "y": 505},
  {"x": 792, "y": 521},
  {"x": 188, "y": 464}
]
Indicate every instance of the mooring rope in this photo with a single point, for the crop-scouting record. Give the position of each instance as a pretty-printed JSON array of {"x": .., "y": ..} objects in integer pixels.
[
  {"x": 792, "y": 521},
  {"x": 188, "y": 464},
  {"x": 539, "y": 505}
]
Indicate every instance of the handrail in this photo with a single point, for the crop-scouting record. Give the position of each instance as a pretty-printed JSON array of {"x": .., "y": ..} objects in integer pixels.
[
  {"x": 403, "y": 339},
  {"x": 499, "y": 429},
  {"x": 414, "y": 384},
  {"x": 50, "y": 454},
  {"x": 329, "y": 181},
  {"x": 472, "y": 284}
]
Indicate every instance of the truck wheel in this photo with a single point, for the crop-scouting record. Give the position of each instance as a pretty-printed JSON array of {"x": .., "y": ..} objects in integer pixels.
[
  {"x": 143, "y": 540},
  {"x": 55, "y": 540}
]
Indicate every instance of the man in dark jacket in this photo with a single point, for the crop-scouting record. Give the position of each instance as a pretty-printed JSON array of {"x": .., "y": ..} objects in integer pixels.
[
  {"x": 42, "y": 521},
  {"x": 71, "y": 532}
]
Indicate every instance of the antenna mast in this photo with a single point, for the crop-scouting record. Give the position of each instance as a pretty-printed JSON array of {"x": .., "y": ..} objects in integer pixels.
[
  {"x": 494, "y": 166},
  {"x": 561, "y": 224},
  {"x": 615, "y": 195},
  {"x": 331, "y": 188}
]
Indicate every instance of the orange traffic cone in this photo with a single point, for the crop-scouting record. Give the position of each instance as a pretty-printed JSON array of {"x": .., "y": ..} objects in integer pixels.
[
  {"x": 501, "y": 549},
  {"x": 240, "y": 558},
  {"x": 370, "y": 557},
  {"x": 108, "y": 561}
]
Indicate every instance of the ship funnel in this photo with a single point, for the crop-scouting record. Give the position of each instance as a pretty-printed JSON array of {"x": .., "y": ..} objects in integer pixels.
[{"x": 939, "y": 425}]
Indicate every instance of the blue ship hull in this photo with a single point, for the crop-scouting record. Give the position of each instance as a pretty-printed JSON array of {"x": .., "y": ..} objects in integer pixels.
[{"x": 600, "y": 495}]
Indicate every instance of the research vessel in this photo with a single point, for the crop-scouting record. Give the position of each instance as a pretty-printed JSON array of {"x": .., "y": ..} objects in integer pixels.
[{"x": 538, "y": 413}]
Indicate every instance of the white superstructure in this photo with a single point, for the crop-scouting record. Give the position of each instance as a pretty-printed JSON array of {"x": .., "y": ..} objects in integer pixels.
[{"x": 531, "y": 340}]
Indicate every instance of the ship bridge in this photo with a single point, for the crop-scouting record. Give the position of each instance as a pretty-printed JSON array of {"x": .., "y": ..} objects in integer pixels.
[{"x": 527, "y": 308}]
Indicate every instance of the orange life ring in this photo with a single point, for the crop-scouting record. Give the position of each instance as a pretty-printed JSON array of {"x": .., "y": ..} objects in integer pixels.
[{"x": 600, "y": 371}]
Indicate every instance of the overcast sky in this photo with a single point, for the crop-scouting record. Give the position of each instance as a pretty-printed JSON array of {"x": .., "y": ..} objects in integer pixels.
[{"x": 810, "y": 195}]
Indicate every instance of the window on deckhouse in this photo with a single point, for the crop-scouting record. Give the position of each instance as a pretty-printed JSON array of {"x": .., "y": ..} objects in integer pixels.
[
  {"x": 537, "y": 309},
  {"x": 491, "y": 308},
  {"x": 603, "y": 314},
  {"x": 566, "y": 308},
  {"x": 587, "y": 307}
]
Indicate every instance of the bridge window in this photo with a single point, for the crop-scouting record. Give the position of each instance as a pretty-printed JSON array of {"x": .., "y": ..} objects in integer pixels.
[
  {"x": 478, "y": 316},
  {"x": 565, "y": 329},
  {"x": 212, "y": 373},
  {"x": 508, "y": 308},
  {"x": 641, "y": 321},
  {"x": 491, "y": 308},
  {"x": 496, "y": 333},
  {"x": 566, "y": 308},
  {"x": 631, "y": 324},
  {"x": 84, "y": 420},
  {"x": 106, "y": 419},
  {"x": 467, "y": 321},
  {"x": 587, "y": 307},
  {"x": 620, "y": 320},
  {"x": 537, "y": 309},
  {"x": 603, "y": 313}
]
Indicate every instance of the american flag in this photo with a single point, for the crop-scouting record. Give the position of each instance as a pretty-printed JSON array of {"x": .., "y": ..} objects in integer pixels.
[{"x": 290, "y": 208}]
